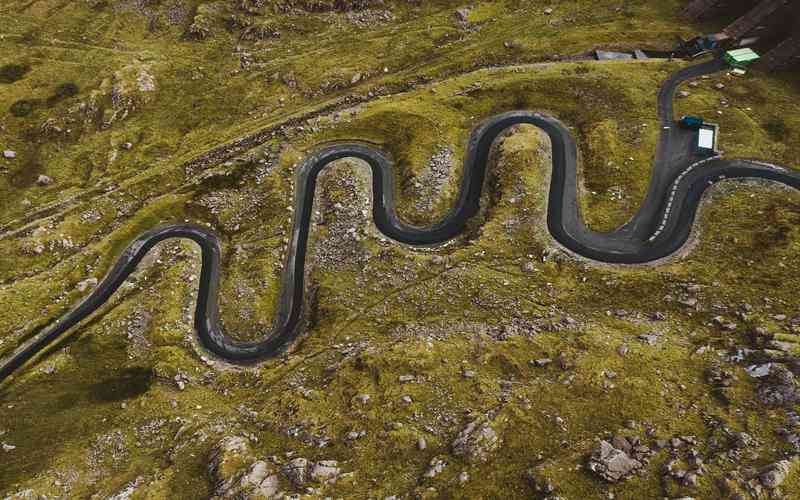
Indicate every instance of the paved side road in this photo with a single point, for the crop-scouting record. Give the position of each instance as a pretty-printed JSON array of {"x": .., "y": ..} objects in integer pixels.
[{"x": 660, "y": 228}]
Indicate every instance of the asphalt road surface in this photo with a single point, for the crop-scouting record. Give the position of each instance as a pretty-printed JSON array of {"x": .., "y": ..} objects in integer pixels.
[{"x": 660, "y": 227}]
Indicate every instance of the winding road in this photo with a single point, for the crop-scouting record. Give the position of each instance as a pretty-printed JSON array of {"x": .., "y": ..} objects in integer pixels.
[{"x": 660, "y": 227}]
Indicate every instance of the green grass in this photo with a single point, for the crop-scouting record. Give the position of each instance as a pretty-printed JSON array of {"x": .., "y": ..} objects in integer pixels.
[{"x": 378, "y": 309}]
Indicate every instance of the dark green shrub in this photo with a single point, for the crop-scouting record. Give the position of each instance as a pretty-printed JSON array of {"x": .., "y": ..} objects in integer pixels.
[
  {"x": 68, "y": 89},
  {"x": 63, "y": 91},
  {"x": 21, "y": 108},
  {"x": 10, "y": 73},
  {"x": 776, "y": 128}
]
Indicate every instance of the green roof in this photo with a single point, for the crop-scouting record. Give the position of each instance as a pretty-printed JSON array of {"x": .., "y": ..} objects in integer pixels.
[{"x": 742, "y": 55}]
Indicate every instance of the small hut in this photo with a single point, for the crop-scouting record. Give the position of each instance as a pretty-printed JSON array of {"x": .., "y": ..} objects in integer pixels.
[{"x": 741, "y": 57}]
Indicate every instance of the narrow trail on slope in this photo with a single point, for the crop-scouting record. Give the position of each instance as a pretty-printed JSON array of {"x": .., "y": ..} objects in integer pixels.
[{"x": 661, "y": 226}]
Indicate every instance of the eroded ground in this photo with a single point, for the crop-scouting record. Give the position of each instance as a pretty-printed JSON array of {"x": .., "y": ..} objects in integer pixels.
[{"x": 491, "y": 367}]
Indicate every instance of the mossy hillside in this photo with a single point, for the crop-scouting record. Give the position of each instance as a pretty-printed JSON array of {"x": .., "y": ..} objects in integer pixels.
[
  {"x": 385, "y": 310},
  {"x": 261, "y": 199},
  {"x": 91, "y": 400},
  {"x": 89, "y": 43},
  {"x": 681, "y": 366},
  {"x": 585, "y": 98},
  {"x": 480, "y": 287},
  {"x": 37, "y": 293},
  {"x": 92, "y": 164},
  {"x": 740, "y": 283}
]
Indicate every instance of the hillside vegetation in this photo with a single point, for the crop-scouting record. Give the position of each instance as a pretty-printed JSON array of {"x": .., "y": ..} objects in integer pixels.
[{"x": 496, "y": 366}]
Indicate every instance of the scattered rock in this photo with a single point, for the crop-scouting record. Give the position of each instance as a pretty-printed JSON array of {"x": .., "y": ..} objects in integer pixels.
[
  {"x": 781, "y": 346},
  {"x": 775, "y": 474},
  {"x": 9, "y": 155},
  {"x": 44, "y": 180},
  {"x": 540, "y": 482},
  {"x": 477, "y": 441},
  {"x": 649, "y": 338},
  {"x": 462, "y": 15},
  {"x": 129, "y": 89},
  {"x": 779, "y": 388},
  {"x": 181, "y": 380},
  {"x": 435, "y": 467},
  {"x": 742, "y": 440},
  {"x": 353, "y": 435},
  {"x": 260, "y": 481},
  {"x": 233, "y": 478},
  {"x": 758, "y": 371},
  {"x": 260, "y": 31},
  {"x": 612, "y": 464},
  {"x": 300, "y": 471},
  {"x": 683, "y": 94},
  {"x": 126, "y": 493},
  {"x": 718, "y": 377},
  {"x": 227, "y": 456},
  {"x": 87, "y": 284},
  {"x": 433, "y": 178},
  {"x": 325, "y": 471},
  {"x": 297, "y": 471},
  {"x": 724, "y": 324}
]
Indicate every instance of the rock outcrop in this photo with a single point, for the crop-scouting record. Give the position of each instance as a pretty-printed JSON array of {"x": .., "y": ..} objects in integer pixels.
[{"x": 612, "y": 464}]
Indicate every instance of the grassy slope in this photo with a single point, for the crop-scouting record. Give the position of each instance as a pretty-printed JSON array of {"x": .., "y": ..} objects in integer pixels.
[
  {"x": 374, "y": 323},
  {"x": 69, "y": 42}
]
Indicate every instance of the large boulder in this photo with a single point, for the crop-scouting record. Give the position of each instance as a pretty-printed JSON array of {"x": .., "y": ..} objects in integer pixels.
[
  {"x": 259, "y": 482},
  {"x": 301, "y": 471},
  {"x": 228, "y": 457},
  {"x": 477, "y": 441},
  {"x": 775, "y": 474},
  {"x": 612, "y": 464},
  {"x": 325, "y": 471},
  {"x": 126, "y": 90},
  {"x": 297, "y": 471},
  {"x": 236, "y": 475}
]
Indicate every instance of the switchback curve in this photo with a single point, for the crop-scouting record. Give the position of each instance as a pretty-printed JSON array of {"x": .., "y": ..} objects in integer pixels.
[{"x": 661, "y": 226}]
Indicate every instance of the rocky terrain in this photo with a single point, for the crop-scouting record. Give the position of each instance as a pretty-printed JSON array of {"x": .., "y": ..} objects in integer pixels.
[{"x": 495, "y": 366}]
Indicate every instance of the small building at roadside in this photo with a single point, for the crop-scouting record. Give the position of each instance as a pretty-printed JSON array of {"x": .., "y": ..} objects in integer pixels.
[
  {"x": 739, "y": 58},
  {"x": 706, "y": 142}
]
